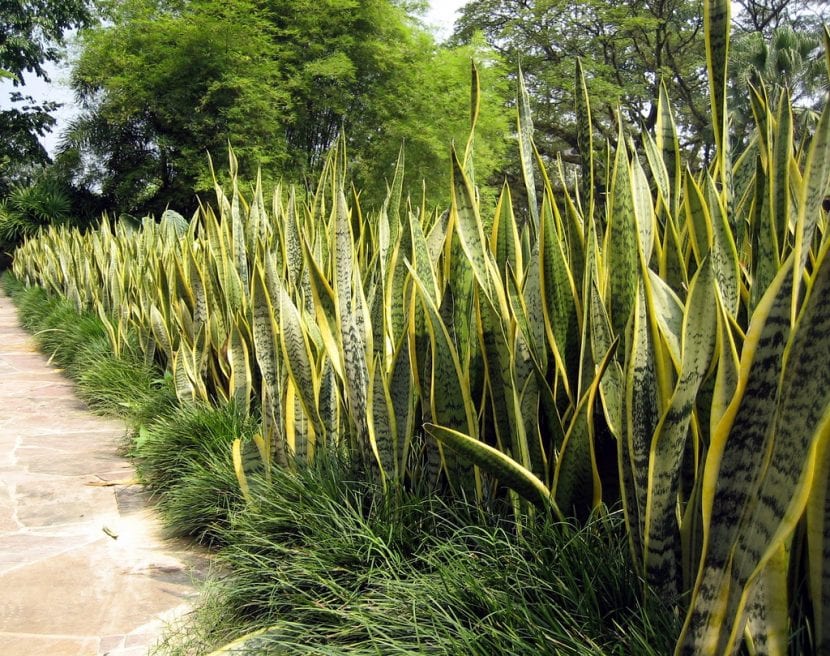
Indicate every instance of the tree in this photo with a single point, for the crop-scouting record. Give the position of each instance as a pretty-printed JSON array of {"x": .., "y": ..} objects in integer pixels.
[
  {"x": 31, "y": 34},
  {"x": 166, "y": 82},
  {"x": 764, "y": 17},
  {"x": 626, "y": 48}
]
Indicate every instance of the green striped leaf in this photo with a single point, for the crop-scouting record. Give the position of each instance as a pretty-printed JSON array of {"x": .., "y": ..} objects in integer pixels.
[
  {"x": 525, "y": 131},
  {"x": 468, "y": 226},
  {"x": 642, "y": 415},
  {"x": 621, "y": 241},
  {"x": 801, "y": 420},
  {"x": 668, "y": 144},
  {"x": 559, "y": 305},
  {"x": 507, "y": 470},
  {"x": 813, "y": 189},
  {"x": 240, "y": 383},
  {"x": 382, "y": 422},
  {"x": 731, "y": 475},
  {"x": 577, "y": 487},
  {"x": 584, "y": 140},
  {"x": 504, "y": 238},
  {"x": 661, "y": 538},
  {"x": 267, "y": 353},
  {"x": 724, "y": 254},
  {"x": 716, "y": 19},
  {"x": 818, "y": 546}
]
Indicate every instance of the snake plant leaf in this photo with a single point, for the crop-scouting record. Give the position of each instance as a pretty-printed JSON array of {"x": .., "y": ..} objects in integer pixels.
[
  {"x": 673, "y": 269},
  {"x": 330, "y": 407},
  {"x": 698, "y": 219},
  {"x": 299, "y": 361},
  {"x": 403, "y": 397},
  {"x": 352, "y": 338},
  {"x": 504, "y": 238},
  {"x": 559, "y": 306},
  {"x": 767, "y": 611},
  {"x": 723, "y": 251},
  {"x": 611, "y": 386},
  {"x": 661, "y": 537},
  {"x": 196, "y": 278},
  {"x": 436, "y": 231},
  {"x": 780, "y": 179},
  {"x": 185, "y": 390},
  {"x": 421, "y": 261},
  {"x": 575, "y": 236},
  {"x": 264, "y": 449},
  {"x": 818, "y": 544},
  {"x": 239, "y": 470},
  {"x": 527, "y": 306},
  {"x": 161, "y": 332},
  {"x": 577, "y": 486},
  {"x": 240, "y": 254},
  {"x": 525, "y": 131},
  {"x": 584, "y": 140},
  {"x": 668, "y": 144},
  {"x": 382, "y": 422},
  {"x": 300, "y": 436},
  {"x": 468, "y": 226},
  {"x": 717, "y": 25},
  {"x": 731, "y": 475},
  {"x": 642, "y": 410},
  {"x": 267, "y": 352},
  {"x": 508, "y": 471},
  {"x": 668, "y": 314},
  {"x": 813, "y": 190},
  {"x": 801, "y": 422},
  {"x": 524, "y": 393},
  {"x": 728, "y": 374},
  {"x": 292, "y": 243},
  {"x": 475, "y": 108},
  {"x": 241, "y": 376},
  {"x": 393, "y": 202},
  {"x": 764, "y": 231},
  {"x": 621, "y": 241},
  {"x": 643, "y": 208},
  {"x": 448, "y": 391},
  {"x": 497, "y": 352},
  {"x": 659, "y": 173}
]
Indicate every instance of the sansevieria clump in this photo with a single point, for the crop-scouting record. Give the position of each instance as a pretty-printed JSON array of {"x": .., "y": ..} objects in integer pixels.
[{"x": 667, "y": 348}]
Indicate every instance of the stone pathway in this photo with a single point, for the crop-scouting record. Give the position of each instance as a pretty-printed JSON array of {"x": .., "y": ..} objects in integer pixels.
[{"x": 84, "y": 569}]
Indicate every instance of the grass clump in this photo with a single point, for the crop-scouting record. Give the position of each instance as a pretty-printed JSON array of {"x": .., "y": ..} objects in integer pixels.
[
  {"x": 184, "y": 456},
  {"x": 325, "y": 564}
]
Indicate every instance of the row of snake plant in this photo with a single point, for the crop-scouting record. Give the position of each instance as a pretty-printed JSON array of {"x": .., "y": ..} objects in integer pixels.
[{"x": 667, "y": 346}]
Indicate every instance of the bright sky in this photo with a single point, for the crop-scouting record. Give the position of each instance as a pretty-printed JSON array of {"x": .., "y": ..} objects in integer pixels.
[{"x": 441, "y": 16}]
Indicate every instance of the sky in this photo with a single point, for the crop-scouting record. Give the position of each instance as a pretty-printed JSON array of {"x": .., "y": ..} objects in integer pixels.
[{"x": 440, "y": 17}]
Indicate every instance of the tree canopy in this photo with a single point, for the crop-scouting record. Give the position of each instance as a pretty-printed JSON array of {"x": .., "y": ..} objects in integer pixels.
[
  {"x": 626, "y": 48},
  {"x": 31, "y": 34},
  {"x": 164, "y": 83}
]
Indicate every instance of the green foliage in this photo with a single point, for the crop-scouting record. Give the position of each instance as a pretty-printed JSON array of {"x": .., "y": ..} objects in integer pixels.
[
  {"x": 26, "y": 209},
  {"x": 625, "y": 49},
  {"x": 165, "y": 83},
  {"x": 123, "y": 386},
  {"x": 31, "y": 34},
  {"x": 653, "y": 349},
  {"x": 184, "y": 458},
  {"x": 328, "y": 564}
]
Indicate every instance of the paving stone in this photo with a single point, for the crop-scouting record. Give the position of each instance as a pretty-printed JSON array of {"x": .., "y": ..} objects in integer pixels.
[
  {"x": 36, "y": 645},
  {"x": 84, "y": 568}
]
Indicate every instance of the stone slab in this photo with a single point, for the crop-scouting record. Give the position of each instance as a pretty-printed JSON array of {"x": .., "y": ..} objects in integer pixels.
[{"x": 84, "y": 567}]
